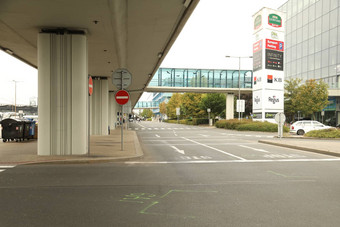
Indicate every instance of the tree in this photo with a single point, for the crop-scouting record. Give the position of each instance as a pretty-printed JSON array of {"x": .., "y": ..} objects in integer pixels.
[
  {"x": 215, "y": 102},
  {"x": 162, "y": 108},
  {"x": 174, "y": 102},
  {"x": 291, "y": 94},
  {"x": 191, "y": 105},
  {"x": 147, "y": 113},
  {"x": 312, "y": 97}
]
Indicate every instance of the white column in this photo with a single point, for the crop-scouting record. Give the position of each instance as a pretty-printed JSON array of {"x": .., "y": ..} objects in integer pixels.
[
  {"x": 113, "y": 108},
  {"x": 62, "y": 87},
  {"x": 229, "y": 112},
  {"x": 99, "y": 107}
]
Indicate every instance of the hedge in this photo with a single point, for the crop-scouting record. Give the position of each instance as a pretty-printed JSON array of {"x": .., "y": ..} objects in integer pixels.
[
  {"x": 325, "y": 133},
  {"x": 249, "y": 125}
]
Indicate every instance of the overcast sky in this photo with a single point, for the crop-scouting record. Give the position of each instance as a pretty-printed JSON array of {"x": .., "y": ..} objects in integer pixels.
[{"x": 215, "y": 29}]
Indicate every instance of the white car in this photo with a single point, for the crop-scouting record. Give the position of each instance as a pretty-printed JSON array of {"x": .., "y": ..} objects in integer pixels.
[{"x": 302, "y": 127}]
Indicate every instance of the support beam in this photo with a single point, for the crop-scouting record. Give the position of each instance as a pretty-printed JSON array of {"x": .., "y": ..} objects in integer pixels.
[
  {"x": 100, "y": 107},
  {"x": 229, "y": 106},
  {"x": 62, "y": 87}
]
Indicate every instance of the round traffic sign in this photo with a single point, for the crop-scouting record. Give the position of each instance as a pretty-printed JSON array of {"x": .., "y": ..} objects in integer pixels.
[
  {"x": 122, "y": 97},
  {"x": 280, "y": 118},
  {"x": 90, "y": 86}
]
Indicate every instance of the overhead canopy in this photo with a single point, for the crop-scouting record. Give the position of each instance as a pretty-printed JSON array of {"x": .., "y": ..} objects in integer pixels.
[{"x": 132, "y": 34}]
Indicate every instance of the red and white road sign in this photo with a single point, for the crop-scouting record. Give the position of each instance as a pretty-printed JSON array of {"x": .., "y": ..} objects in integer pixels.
[
  {"x": 90, "y": 86},
  {"x": 122, "y": 97}
]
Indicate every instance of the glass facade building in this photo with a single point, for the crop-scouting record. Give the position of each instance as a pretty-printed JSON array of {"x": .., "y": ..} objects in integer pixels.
[{"x": 312, "y": 46}]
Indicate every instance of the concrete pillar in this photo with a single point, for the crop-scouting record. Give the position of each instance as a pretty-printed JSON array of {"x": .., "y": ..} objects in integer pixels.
[
  {"x": 113, "y": 109},
  {"x": 99, "y": 103},
  {"x": 63, "y": 92},
  {"x": 229, "y": 112}
]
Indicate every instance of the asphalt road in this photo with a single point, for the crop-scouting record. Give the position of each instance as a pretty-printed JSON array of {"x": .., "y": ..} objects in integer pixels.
[{"x": 190, "y": 176}]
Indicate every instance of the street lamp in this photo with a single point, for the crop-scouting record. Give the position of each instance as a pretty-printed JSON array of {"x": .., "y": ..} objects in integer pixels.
[{"x": 239, "y": 77}]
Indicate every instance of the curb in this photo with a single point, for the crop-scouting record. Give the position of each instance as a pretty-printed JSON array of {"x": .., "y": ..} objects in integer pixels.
[
  {"x": 325, "y": 152},
  {"x": 88, "y": 159}
]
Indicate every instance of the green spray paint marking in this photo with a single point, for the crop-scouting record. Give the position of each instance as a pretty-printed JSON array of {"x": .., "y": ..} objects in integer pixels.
[
  {"x": 144, "y": 211},
  {"x": 285, "y": 176}
]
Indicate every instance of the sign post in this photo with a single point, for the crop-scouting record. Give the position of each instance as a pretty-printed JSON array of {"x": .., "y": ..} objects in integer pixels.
[
  {"x": 178, "y": 112},
  {"x": 89, "y": 113},
  {"x": 122, "y": 97},
  {"x": 280, "y": 119}
]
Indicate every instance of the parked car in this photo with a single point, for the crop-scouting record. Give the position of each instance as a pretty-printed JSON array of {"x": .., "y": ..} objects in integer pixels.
[{"x": 302, "y": 127}]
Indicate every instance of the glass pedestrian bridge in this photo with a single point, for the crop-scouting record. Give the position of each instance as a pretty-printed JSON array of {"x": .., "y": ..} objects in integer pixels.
[
  {"x": 201, "y": 78},
  {"x": 197, "y": 80}
]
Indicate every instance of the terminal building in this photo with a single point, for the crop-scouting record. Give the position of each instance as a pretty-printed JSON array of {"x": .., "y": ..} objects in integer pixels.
[{"x": 312, "y": 46}]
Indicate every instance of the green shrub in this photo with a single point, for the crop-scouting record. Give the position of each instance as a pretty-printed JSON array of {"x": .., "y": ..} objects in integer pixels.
[
  {"x": 260, "y": 126},
  {"x": 200, "y": 121},
  {"x": 231, "y": 124},
  {"x": 326, "y": 133}
]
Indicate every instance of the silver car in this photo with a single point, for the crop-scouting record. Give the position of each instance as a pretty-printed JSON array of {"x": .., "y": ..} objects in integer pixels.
[{"x": 302, "y": 127}]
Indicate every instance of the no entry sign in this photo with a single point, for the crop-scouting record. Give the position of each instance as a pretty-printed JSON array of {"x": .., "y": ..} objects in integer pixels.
[{"x": 122, "y": 97}]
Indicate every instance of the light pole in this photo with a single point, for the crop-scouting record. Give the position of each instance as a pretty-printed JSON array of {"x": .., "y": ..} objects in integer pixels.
[{"x": 239, "y": 78}]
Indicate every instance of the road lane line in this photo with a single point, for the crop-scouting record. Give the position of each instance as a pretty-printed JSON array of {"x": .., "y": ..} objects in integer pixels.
[
  {"x": 158, "y": 136},
  {"x": 233, "y": 161},
  {"x": 223, "y": 152},
  {"x": 255, "y": 149},
  {"x": 178, "y": 150}
]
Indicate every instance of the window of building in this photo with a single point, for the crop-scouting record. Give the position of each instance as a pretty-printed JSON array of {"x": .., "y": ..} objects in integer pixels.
[
  {"x": 311, "y": 29},
  {"x": 333, "y": 37},
  {"x": 325, "y": 40},
  {"x": 294, "y": 23},
  {"x": 334, "y": 4},
  {"x": 318, "y": 24},
  {"x": 304, "y": 49},
  {"x": 288, "y": 26},
  {"x": 300, "y": 5},
  {"x": 332, "y": 70},
  {"x": 305, "y": 3},
  {"x": 305, "y": 17},
  {"x": 299, "y": 51},
  {"x": 312, "y": 12},
  {"x": 318, "y": 60},
  {"x": 294, "y": 8},
  {"x": 311, "y": 62},
  {"x": 304, "y": 64},
  {"x": 317, "y": 74},
  {"x": 299, "y": 35},
  {"x": 324, "y": 72},
  {"x": 333, "y": 20},
  {"x": 311, "y": 45},
  {"x": 338, "y": 61},
  {"x": 317, "y": 43},
  {"x": 318, "y": 9},
  {"x": 299, "y": 20},
  {"x": 332, "y": 55},
  {"x": 324, "y": 56},
  {"x": 325, "y": 6},
  {"x": 325, "y": 22},
  {"x": 293, "y": 41},
  {"x": 298, "y": 66}
]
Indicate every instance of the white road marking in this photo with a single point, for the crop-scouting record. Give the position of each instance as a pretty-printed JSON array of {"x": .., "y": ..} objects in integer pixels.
[
  {"x": 3, "y": 168},
  {"x": 203, "y": 135},
  {"x": 178, "y": 150},
  {"x": 234, "y": 161},
  {"x": 255, "y": 149},
  {"x": 141, "y": 125},
  {"x": 158, "y": 136},
  {"x": 215, "y": 149}
]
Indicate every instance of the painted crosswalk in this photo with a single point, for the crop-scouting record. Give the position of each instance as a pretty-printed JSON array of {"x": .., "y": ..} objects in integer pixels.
[{"x": 4, "y": 168}]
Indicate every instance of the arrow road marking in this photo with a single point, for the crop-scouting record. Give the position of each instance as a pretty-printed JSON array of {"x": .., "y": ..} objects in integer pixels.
[
  {"x": 255, "y": 149},
  {"x": 178, "y": 150}
]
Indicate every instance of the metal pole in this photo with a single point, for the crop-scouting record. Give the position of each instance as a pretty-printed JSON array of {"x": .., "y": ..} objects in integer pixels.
[
  {"x": 121, "y": 126},
  {"x": 239, "y": 87}
]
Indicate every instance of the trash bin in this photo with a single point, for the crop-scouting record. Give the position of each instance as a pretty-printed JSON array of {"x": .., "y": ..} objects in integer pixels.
[
  {"x": 12, "y": 129},
  {"x": 29, "y": 127}
]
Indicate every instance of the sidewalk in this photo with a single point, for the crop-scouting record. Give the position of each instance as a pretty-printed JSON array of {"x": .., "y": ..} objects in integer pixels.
[
  {"x": 321, "y": 146},
  {"x": 102, "y": 149}
]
